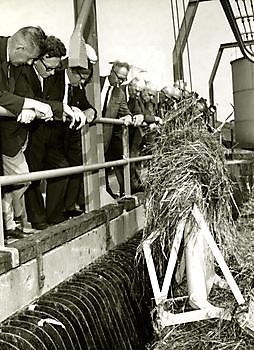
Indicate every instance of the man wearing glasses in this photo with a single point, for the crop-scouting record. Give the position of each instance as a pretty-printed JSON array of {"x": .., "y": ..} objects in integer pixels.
[
  {"x": 20, "y": 49},
  {"x": 45, "y": 144},
  {"x": 114, "y": 105}
]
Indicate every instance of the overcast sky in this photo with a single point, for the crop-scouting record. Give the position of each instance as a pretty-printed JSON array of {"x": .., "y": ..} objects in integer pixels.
[{"x": 141, "y": 33}]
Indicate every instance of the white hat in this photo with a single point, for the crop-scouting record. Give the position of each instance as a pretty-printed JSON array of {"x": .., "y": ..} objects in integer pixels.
[{"x": 91, "y": 54}]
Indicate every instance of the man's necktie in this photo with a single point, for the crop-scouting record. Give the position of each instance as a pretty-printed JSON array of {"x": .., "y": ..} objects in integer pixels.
[
  {"x": 70, "y": 94},
  {"x": 10, "y": 77},
  {"x": 105, "y": 103}
]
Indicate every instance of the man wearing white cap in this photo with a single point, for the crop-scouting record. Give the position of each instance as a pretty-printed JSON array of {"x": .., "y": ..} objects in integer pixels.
[{"x": 75, "y": 96}]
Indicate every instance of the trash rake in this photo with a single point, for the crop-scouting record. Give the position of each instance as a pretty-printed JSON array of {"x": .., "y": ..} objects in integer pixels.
[{"x": 240, "y": 15}]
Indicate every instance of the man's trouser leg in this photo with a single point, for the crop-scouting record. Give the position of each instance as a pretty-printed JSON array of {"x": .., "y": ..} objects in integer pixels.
[{"x": 13, "y": 200}]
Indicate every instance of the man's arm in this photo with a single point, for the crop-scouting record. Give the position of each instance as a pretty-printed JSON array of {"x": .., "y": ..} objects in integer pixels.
[
  {"x": 5, "y": 113},
  {"x": 123, "y": 110},
  {"x": 12, "y": 103}
]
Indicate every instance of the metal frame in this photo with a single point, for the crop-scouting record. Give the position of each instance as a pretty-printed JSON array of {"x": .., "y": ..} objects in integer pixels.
[
  {"x": 182, "y": 38},
  {"x": 232, "y": 22},
  {"x": 204, "y": 310},
  {"x": 216, "y": 65}
]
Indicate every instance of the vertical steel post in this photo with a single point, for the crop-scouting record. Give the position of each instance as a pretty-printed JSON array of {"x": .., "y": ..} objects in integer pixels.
[
  {"x": 182, "y": 38},
  {"x": 126, "y": 154},
  {"x": 92, "y": 145}
]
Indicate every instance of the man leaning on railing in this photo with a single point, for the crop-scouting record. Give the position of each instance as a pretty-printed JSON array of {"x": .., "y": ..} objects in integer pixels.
[{"x": 19, "y": 49}]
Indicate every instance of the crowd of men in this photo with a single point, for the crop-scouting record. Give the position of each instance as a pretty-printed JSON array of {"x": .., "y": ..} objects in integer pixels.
[{"x": 43, "y": 106}]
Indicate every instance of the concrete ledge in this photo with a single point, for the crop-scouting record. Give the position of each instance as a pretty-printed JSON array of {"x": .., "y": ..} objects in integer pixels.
[{"x": 57, "y": 235}]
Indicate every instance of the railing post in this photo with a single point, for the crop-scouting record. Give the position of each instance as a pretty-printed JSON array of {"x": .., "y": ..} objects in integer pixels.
[
  {"x": 1, "y": 221},
  {"x": 126, "y": 154}
]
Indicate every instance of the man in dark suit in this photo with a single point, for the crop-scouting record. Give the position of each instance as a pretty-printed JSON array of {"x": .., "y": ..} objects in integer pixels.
[
  {"x": 45, "y": 149},
  {"x": 137, "y": 109},
  {"x": 115, "y": 106},
  {"x": 21, "y": 48},
  {"x": 76, "y": 97}
]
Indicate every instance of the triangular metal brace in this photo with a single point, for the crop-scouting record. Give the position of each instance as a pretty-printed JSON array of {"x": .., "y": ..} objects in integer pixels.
[{"x": 205, "y": 310}]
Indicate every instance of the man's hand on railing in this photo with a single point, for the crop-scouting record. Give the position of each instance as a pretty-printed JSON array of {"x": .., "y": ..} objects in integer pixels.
[
  {"x": 79, "y": 116},
  {"x": 158, "y": 120},
  {"x": 138, "y": 119},
  {"x": 69, "y": 115},
  {"x": 156, "y": 125},
  {"x": 127, "y": 119},
  {"x": 90, "y": 115},
  {"x": 153, "y": 126},
  {"x": 43, "y": 110},
  {"x": 26, "y": 116}
]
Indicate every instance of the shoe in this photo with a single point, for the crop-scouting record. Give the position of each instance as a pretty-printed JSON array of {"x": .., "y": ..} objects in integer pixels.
[
  {"x": 40, "y": 226},
  {"x": 58, "y": 221},
  {"x": 82, "y": 207},
  {"x": 111, "y": 193},
  {"x": 15, "y": 233},
  {"x": 72, "y": 213}
]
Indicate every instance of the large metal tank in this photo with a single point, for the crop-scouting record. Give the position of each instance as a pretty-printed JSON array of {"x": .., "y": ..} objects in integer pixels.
[{"x": 243, "y": 93}]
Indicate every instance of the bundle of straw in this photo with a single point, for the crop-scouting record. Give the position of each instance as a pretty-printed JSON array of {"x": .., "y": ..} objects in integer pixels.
[{"x": 188, "y": 167}]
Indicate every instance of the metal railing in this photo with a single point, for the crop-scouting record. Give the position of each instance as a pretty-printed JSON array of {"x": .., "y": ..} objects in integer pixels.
[{"x": 46, "y": 174}]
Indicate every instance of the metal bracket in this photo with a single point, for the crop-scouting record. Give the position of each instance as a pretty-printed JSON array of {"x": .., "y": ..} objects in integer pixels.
[{"x": 39, "y": 259}]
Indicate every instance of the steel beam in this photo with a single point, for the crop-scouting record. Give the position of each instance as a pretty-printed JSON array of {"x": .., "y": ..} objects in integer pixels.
[
  {"x": 183, "y": 37},
  {"x": 216, "y": 65}
]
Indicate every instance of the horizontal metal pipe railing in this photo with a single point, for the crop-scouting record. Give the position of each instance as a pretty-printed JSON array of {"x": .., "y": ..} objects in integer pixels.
[
  {"x": 44, "y": 174},
  {"x": 47, "y": 174},
  {"x": 111, "y": 121}
]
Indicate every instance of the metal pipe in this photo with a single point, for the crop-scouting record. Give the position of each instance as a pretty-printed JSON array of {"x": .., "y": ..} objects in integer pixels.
[
  {"x": 126, "y": 168},
  {"x": 111, "y": 121},
  {"x": 216, "y": 65},
  {"x": 38, "y": 175},
  {"x": 46, "y": 174}
]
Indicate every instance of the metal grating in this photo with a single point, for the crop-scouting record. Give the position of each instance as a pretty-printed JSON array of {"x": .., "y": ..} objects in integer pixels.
[
  {"x": 99, "y": 308},
  {"x": 240, "y": 15}
]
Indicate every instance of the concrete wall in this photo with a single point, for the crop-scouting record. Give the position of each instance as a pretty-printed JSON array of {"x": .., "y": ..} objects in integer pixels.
[{"x": 49, "y": 257}]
